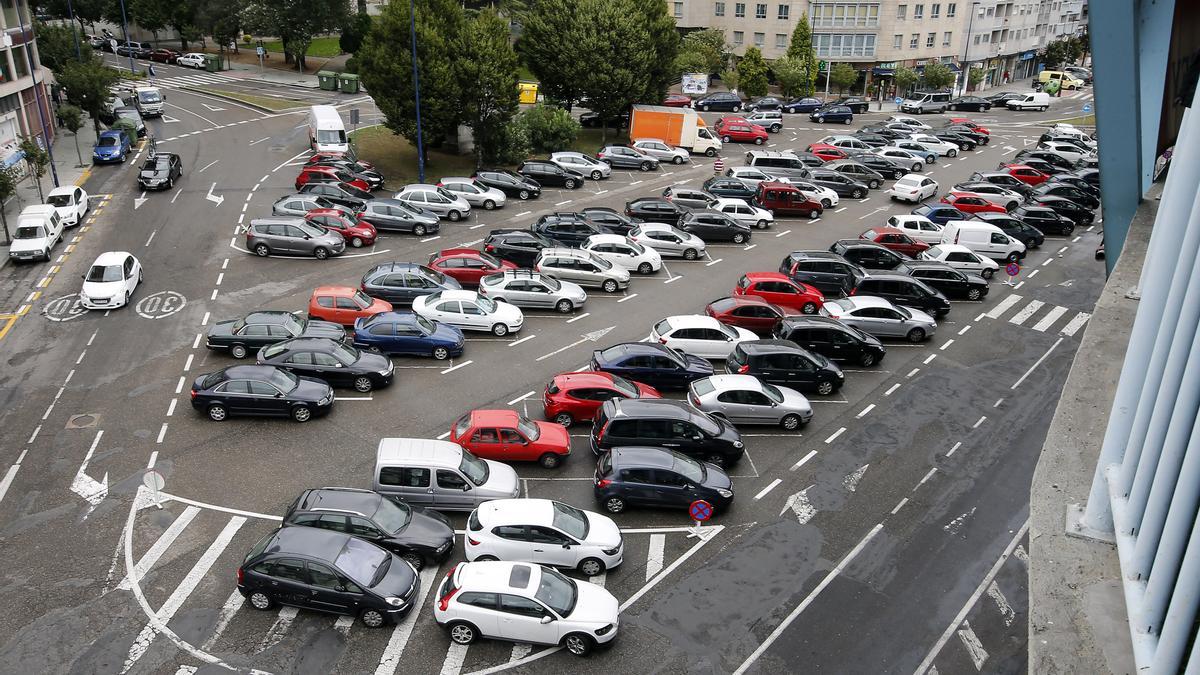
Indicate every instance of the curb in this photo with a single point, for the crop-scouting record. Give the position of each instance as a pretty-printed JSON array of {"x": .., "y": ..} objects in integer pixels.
[{"x": 232, "y": 99}]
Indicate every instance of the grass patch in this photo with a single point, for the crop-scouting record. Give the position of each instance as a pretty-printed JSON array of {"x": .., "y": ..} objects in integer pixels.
[
  {"x": 396, "y": 158},
  {"x": 1083, "y": 121},
  {"x": 269, "y": 102},
  {"x": 590, "y": 140},
  {"x": 322, "y": 47}
]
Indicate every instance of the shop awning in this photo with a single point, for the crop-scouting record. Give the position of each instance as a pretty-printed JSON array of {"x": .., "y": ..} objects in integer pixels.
[{"x": 11, "y": 159}]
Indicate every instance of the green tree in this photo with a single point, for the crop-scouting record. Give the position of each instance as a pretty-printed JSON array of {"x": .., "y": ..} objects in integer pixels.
[
  {"x": 690, "y": 61},
  {"x": 550, "y": 46},
  {"x": 72, "y": 121},
  {"x": 297, "y": 22},
  {"x": 1073, "y": 49},
  {"x": 8, "y": 189},
  {"x": 353, "y": 34},
  {"x": 487, "y": 75},
  {"x": 549, "y": 128},
  {"x": 938, "y": 75},
  {"x": 222, "y": 19},
  {"x": 731, "y": 78},
  {"x": 662, "y": 41},
  {"x": 36, "y": 161},
  {"x": 974, "y": 77},
  {"x": 514, "y": 145},
  {"x": 791, "y": 74},
  {"x": 801, "y": 49},
  {"x": 56, "y": 45},
  {"x": 1054, "y": 54},
  {"x": 705, "y": 49},
  {"x": 89, "y": 85},
  {"x": 85, "y": 11},
  {"x": 752, "y": 73},
  {"x": 904, "y": 78},
  {"x": 843, "y": 76}
]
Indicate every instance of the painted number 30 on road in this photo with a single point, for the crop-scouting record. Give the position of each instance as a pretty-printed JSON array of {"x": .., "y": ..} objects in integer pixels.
[{"x": 160, "y": 305}]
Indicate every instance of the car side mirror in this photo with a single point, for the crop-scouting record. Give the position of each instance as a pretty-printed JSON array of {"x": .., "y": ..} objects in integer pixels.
[
  {"x": 279, "y": 394},
  {"x": 689, "y": 486},
  {"x": 546, "y": 619},
  {"x": 466, "y": 487},
  {"x": 567, "y": 545},
  {"x": 341, "y": 589}
]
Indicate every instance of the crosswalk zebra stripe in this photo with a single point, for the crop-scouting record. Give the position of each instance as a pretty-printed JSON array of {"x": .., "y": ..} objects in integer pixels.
[
  {"x": 1050, "y": 318},
  {"x": 1076, "y": 323},
  {"x": 1026, "y": 312},
  {"x": 1004, "y": 306}
]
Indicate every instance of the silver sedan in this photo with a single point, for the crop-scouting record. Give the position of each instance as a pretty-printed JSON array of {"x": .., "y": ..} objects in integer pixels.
[
  {"x": 668, "y": 241},
  {"x": 745, "y": 399},
  {"x": 476, "y": 193},
  {"x": 879, "y": 317},
  {"x": 585, "y": 164}
]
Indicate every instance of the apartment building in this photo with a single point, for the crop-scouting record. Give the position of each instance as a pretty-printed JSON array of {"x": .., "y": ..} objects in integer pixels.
[
  {"x": 19, "y": 95},
  {"x": 1006, "y": 36}
]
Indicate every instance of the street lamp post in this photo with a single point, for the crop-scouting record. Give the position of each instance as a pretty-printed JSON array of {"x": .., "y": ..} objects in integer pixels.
[
  {"x": 412, "y": 28},
  {"x": 125, "y": 32},
  {"x": 967, "y": 47},
  {"x": 71, "y": 14}
]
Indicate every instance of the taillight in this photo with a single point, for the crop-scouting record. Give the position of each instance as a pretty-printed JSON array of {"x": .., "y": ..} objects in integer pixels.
[
  {"x": 854, "y": 291},
  {"x": 744, "y": 369},
  {"x": 488, "y": 248},
  {"x": 662, "y": 340},
  {"x": 603, "y": 483},
  {"x": 194, "y": 396},
  {"x": 445, "y": 600},
  {"x": 472, "y": 542},
  {"x": 241, "y": 575}
]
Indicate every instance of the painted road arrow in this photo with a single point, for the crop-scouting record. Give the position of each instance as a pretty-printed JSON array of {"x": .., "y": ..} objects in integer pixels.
[
  {"x": 167, "y": 119},
  {"x": 92, "y": 491},
  {"x": 586, "y": 337},
  {"x": 597, "y": 334},
  {"x": 218, "y": 199},
  {"x": 850, "y": 482},
  {"x": 800, "y": 505},
  {"x": 212, "y": 107},
  {"x": 138, "y": 201}
]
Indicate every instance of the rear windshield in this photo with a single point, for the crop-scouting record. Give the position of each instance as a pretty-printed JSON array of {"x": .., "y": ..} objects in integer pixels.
[
  {"x": 725, "y": 304},
  {"x": 703, "y": 386}
]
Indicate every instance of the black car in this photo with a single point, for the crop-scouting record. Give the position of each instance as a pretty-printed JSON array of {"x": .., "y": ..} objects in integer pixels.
[
  {"x": 339, "y": 193},
  {"x": 867, "y": 254},
  {"x": 1091, "y": 175},
  {"x": 784, "y": 363},
  {"x": 400, "y": 283},
  {"x": 416, "y": 535},
  {"x": 1083, "y": 197},
  {"x": 764, "y": 103},
  {"x": 963, "y": 142},
  {"x": 857, "y": 170},
  {"x": 330, "y": 360},
  {"x": 1065, "y": 138},
  {"x": 593, "y": 120},
  {"x": 549, "y": 173},
  {"x": 260, "y": 329},
  {"x": 721, "y": 101},
  {"x": 972, "y": 103},
  {"x": 572, "y": 229},
  {"x": 1015, "y": 228},
  {"x": 328, "y": 571},
  {"x": 260, "y": 391},
  {"x": 159, "y": 171},
  {"x": 655, "y": 210},
  {"x": 843, "y": 185},
  {"x": 872, "y": 139},
  {"x": 666, "y": 423},
  {"x": 724, "y": 186},
  {"x": 885, "y": 131},
  {"x": 610, "y": 220},
  {"x": 653, "y": 476},
  {"x": 620, "y": 156},
  {"x": 979, "y": 137},
  {"x": 1047, "y": 220},
  {"x": 952, "y": 283},
  {"x": 832, "y": 113},
  {"x": 714, "y": 226},
  {"x": 649, "y": 363},
  {"x": 1076, "y": 182},
  {"x": 902, "y": 289},
  {"x": 1000, "y": 99},
  {"x": 371, "y": 176},
  {"x": 831, "y": 338},
  {"x": 805, "y": 104},
  {"x": 511, "y": 184},
  {"x": 856, "y": 104},
  {"x": 1078, "y": 213},
  {"x": 1044, "y": 161},
  {"x": 828, "y": 272},
  {"x": 520, "y": 247}
]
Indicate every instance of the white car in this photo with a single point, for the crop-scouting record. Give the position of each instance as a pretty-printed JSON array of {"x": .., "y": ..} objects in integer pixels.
[
  {"x": 819, "y": 193},
  {"x": 191, "y": 60},
  {"x": 34, "y": 238},
  {"x": 749, "y": 176},
  {"x": 699, "y": 335},
  {"x": 476, "y": 193},
  {"x": 70, "y": 202},
  {"x": 668, "y": 240},
  {"x": 1068, "y": 150},
  {"x": 846, "y": 142},
  {"x": 914, "y": 160},
  {"x": 913, "y": 188},
  {"x": 624, "y": 252},
  {"x": 935, "y": 144},
  {"x": 659, "y": 150},
  {"x": 585, "y": 164},
  {"x": 962, "y": 258},
  {"x": 1065, "y": 129},
  {"x": 440, "y": 201},
  {"x": 521, "y": 602},
  {"x": 918, "y": 227},
  {"x": 744, "y": 213},
  {"x": 469, "y": 311},
  {"x": 110, "y": 281},
  {"x": 543, "y": 531},
  {"x": 909, "y": 121}
]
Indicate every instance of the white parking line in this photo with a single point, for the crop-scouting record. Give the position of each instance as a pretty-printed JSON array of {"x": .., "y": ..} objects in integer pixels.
[
  {"x": 803, "y": 460},
  {"x": 527, "y": 338},
  {"x": 947, "y": 344},
  {"x": 654, "y": 556},
  {"x": 230, "y": 608},
  {"x": 837, "y": 433},
  {"x": 522, "y": 397},
  {"x": 628, "y": 297},
  {"x": 283, "y": 621},
  {"x": 1036, "y": 363},
  {"x": 576, "y": 318},
  {"x": 707, "y": 264},
  {"x": 456, "y": 656},
  {"x": 894, "y": 387},
  {"x": 1076, "y": 323},
  {"x": 780, "y": 234},
  {"x": 763, "y": 493},
  {"x": 161, "y": 545},
  {"x": 451, "y": 369},
  {"x": 954, "y": 449},
  {"x": 982, "y": 419},
  {"x": 865, "y": 411}
]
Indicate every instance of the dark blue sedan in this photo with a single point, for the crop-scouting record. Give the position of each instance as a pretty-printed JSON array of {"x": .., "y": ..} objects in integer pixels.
[
  {"x": 833, "y": 113},
  {"x": 940, "y": 213},
  {"x": 406, "y": 333},
  {"x": 653, "y": 364},
  {"x": 802, "y": 105}
]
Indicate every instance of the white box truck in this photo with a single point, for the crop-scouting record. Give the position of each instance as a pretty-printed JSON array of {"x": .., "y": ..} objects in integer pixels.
[
  {"x": 681, "y": 127},
  {"x": 326, "y": 132},
  {"x": 148, "y": 101}
]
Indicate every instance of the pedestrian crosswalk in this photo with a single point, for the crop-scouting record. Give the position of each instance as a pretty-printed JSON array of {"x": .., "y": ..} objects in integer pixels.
[
  {"x": 1027, "y": 309},
  {"x": 180, "y": 81}
]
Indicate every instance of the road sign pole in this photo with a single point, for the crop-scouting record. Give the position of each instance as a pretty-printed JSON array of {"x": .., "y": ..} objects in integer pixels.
[{"x": 700, "y": 511}]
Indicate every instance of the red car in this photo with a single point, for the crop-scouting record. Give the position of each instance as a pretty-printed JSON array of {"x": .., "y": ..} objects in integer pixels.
[
  {"x": 895, "y": 239},
  {"x": 575, "y": 397},
  {"x": 729, "y": 119},
  {"x": 746, "y": 311},
  {"x": 357, "y": 234},
  {"x": 164, "y": 55},
  {"x": 319, "y": 157},
  {"x": 1025, "y": 174},
  {"x": 743, "y": 132},
  {"x": 969, "y": 202},
  {"x": 344, "y": 305},
  {"x": 677, "y": 101},
  {"x": 826, "y": 152},
  {"x": 507, "y": 436},
  {"x": 966, "y": 122},
  {"x": 320, "y": 173},
  {"x": 780, "y": 290},
  {"x": 467, "y": 265}
]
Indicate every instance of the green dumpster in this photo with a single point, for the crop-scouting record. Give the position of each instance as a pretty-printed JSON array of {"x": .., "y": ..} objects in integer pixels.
[
  {"x": 327, "y": 80},
  {"x": 212, "y": 62},
  {"x": 349, "y": 82}
]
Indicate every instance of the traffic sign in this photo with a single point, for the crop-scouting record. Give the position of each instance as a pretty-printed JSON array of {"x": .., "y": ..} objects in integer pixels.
[
  {"x": 822, "y": 66},
  {"x": 1087, "y": 107},
  {"x": 899, "y": 100},
  {"x": 1012, "y": 269},
  {"x": 700, "y": 510}
]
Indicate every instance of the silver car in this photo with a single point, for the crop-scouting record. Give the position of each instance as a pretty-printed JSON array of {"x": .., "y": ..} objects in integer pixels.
[
  {"x": 750, "y": 176},
  {"x": 298, "y": 205},
  {"x": 585, "y": 164},
  {"x": 433, "y": 198},
  {"x": 745, "y": 399},
  {"x": 292, "y": 236},
  {"x": 582, "y": 267},
  {"x": 476, "y": 193},
  {"x": 669, "y": 241},
  {"x": 689, "y": 197},
  {"x": 658, "y": 149},
  {"x": 879, "y": 317},
  {"x": 526, "y": 288}
]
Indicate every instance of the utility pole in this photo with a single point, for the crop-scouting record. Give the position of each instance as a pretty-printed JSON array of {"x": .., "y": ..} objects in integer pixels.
[
  {"x": 71, "y": 14},
  {"x": 125, "y": 31},
  {"x": 967, "y": 47},
  {"x": 412, "y": 28}
]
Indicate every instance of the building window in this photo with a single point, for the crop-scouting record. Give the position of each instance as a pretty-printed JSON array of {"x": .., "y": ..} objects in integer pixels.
[
  {"x": 679, "y": 10},
  {"x": 951, "y": 10},
  {"x": 784, "y": 12},
  {"x": 897, "y": 41},
  {"x": 930, "y": 40},
  {"x": 844, "y": 45},
  {"x": 935, "y": 10},
  {"x": 719, "y": 9},
  {"x": 990, "y": 11},
  {"x": 901, "y": 10},
  {"x": 19, "y": 62},
  {"x": 781, "y": 41},
  {"x": 912, "y": 41},
  {"x": 760, "y": 39},
  {"x": 946, "y": 38},
  {"x": 760, "y": 10},
  {"x": 918, "y": 12},
  {"x": 977, "y": 38},
  {"x": 739, "y": 10},
  {"x": 739, "y": 37},
  {"x": 12, "y": 17},
  {"x": 844, "y": 15}
]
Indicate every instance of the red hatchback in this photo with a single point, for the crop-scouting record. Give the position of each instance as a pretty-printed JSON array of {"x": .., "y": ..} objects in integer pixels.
[
  {"x": 826, "y": 152},
  {"x": 779, "y": 289},
  {"x": 344, "y": 305},
  {"x": 895, "y": 239},
  {"x": 164, "y": 55},
  {"x": 1026, "y": 174},
  {"x": 357, "y": 234},
  {"x": 677, "y": 101},
  {"x": 319, "y": 157},
  {"x": 969, "y": 202},
  {"x": 966, "y": 122},
  {"x": 575, "y": 397},
  {"x": 743, "y": 132},
  {"x": 320, "y": 173},
  {"x": 507, "y": 436},
  {"x": 747, "y": 311},
  {"x": 467, "y": 265}
]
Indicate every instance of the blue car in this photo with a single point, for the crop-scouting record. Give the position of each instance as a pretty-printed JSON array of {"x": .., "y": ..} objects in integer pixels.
[
  {"x": 407, "y": 334},
  {"x": 651, "y": 363},
  {"x": 802, "y": 105},
  {"x": 832, "y": 113},
  {"x": 111, "y": 146},
  {"x": 940, "y": 213}
]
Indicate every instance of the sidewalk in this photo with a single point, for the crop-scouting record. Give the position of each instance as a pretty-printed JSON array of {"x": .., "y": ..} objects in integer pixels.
[{"x": 292, "y": 77}]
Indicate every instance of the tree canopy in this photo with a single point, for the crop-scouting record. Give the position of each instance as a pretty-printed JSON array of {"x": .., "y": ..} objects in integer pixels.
[
  {"x": 800, "y": 50},
  {"x": 752, "y": 73}
]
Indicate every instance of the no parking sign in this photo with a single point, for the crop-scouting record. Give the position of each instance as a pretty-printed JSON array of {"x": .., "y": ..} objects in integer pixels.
[
  {"x": 700, "y": 511},
  {"x": 1012, "y": 269}
]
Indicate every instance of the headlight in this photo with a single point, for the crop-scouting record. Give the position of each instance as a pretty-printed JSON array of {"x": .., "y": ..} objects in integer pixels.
[
  {"x": 443, "y": 547},
  {"x": 326, "y": 401},
  {"x": 725, "y": 493},
  {"x": 738, "y": 444},
  {"x": 395, "y": 602},
  {"x": 612, "y": 551},
  {"x": 841, "y": 375},
  {"x": 604, "y": 630}
]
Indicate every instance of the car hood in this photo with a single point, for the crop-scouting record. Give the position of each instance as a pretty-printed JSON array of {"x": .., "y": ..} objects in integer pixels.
[
  {"x": 699, "y": 365},
  {"x": 427, "y": 527},
  {"x": 324, "y": 329},
  {"x": 502, "y": 480},
  {"x": 552, "y": 435},
  {"x": 221, "y": 328},
  {"x": 744, "y": 334},
  {"x": 594, "y": 605},
  {"x": 602, "y": 531},
  {"x": 99, "y": 289},
  {"x": 373, "y": 362},
  {"x": 311, "y": 389},
  {"x": 508, "y": 312},
  {"x": 447, "y": 333},
  {"x": 399, "y": 579},
  {"x": 919, "y": 316},
  {"x": 794, "y": 400},
  {"x": 716, "y": 479},
  {"x": 573, "y": 290},
  {"x": 29, "y": 244}
]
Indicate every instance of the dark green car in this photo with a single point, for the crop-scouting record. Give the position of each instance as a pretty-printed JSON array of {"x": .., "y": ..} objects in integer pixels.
[{"x": 723, "y": 186}]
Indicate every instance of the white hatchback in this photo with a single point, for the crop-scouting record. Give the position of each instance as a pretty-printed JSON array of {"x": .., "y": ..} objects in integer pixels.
[
  {"x": 71, "y": 203},
  {"x": 191, "y": 60},
  {"x": 744, "y": 213},
  {"x": 917, "y": 227},
  {"x": 624, "y": 252},
  {"x": 935, "y": 144},
  {"x": 521, "y": 602},
  {"x": 699, "y": 335},
  {"x": 543, "y": 531},
  {"x": 470, "y": 311},
  {"x": 913, "y": 188},
  {"x": 110, "y": 281},
  {"x": 910, "y": 121}
]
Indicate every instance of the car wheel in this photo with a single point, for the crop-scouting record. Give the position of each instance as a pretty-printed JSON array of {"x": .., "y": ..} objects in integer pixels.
[
  {"x": 820, "y": 119},
  {"x": 238, "y": 351},
  {"x": 1068, "y": 230},
  {"x": 953, "y": 107},
  {"x": 857, "y": 194},
  {"x": 486, "y": 558},
  {"x": 591, "y": 567},
  {"x": 715, "y": 459},
  {"x": 917, "y": 167},
  {"x": 454, "y": 216},
  {"x": 440, "y": 353},
  {"x": 644, "y": 166},
  {"x": 866, "y": 360},
  {"x": 415, "y": 559},
  {"x": 645, "y": 268},
  {"x": 564, "y": 419},
  {"x": 1014, "y": 257},
  {"x": 726, "y": 139},
  {"x": 737, "y": 108},
  {"x": 609, "y": 286},
  {"x": 569, "y": 183},
  {"x": 488, "y": 204},
  {"x": 825, "y": 388},
  {"x": 1031, "y": 243},
  {"x": 500, "y": 330},
  {"x": 462, "y": 632},
  {"x": 974, "y": 294},
  {"x": 523, "y": 195},
  {"x": 762, "y": 225},
  {"x": 578, "y": 644},
  {"x": 564, "y": 306},
  {"x": 262, "y": 250},
  {"x": 739, "y": 238},
  {"x": 356, "y": 242},
  {"x": 987, "y": 274},
  {"x": 320, "y": 253},
  {"x": 791, "y": 422},
  {"x": 614, "y": 505},
  {"x": 758, "y": 141},
  {"x": 363, "y": 384},
  {"x": 550, "y": 460},
  {"x": 825, "y": 203},
  {"x": 952, "y": 152},
  {"x": 777, "y": 128},
  {"x": 916, "y": 335},
  {"x": 809, "y": 308},
  {"x": 261, "y": 601},
  {"x": 814, "y": 214},
  {"x": 170, "y": 183},
  {"x": 596, "y": 175},
  {"x": 217, "y": 413},
  {"x": 302, "y": 413},
  {"x": 846, "y": 121},
  {"x": 677, "y": 160},
  {"x": 874, "y": 184},
  {"x": 419, "y": 230}
]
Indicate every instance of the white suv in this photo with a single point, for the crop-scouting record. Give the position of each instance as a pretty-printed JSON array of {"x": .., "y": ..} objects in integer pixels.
[
  {"x": 546, "y": 532},
  {"x": 521, "y": 602},
  {"x": 913, "y": 188}
]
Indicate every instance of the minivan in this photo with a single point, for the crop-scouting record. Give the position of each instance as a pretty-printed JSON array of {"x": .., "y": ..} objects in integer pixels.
[
  {"x": 984, "y": 239},
  {"x": 440, "y": 475},
  {"x": 674, "y": 425},
  {"x": 326, "y": 132},
  {"x": 784, "y": 199},
  {"x": 905, "y": 291},
  {"x": 778, "y": 164},
  {"x": 292, "y": 236},
  {"x": 926, "y": 101},
  {"x": 1038, "y": 100}
]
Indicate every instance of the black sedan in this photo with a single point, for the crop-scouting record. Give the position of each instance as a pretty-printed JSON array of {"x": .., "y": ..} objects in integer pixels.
[
  {"x": 832, "y": 113},
  {"x": 723, "y": 101},
  {"x": 884, "y": 166},
  {"x": 715, "y": 226},
  {"x": 260, "y": 390},
  {"x": 651, "y": 363},
  {"x": 885, "y": 131},
  {"x": 1077, "y": 195},
  {"x": 843, "y": 186},
  {"x": 1076, "y": 182},
  {"x": 655, "y": 210},
  {"x": 508, "y": 182},
  {"x": 1000, "y": 99},
  {"x": 963, "y": 142},
  {"x": 972, "y": 103},
  {"x": 592, "y": 120},
  {"x": 722, "y": 186},
  {"x": 1078, "y": 213},
  {"x": 979, "y": 137},
  {"x": 802, "y": 105},
  {"x": 339, "y": 193},
  {"x": 872, "y": 139},
  {"x": 856, "y": 104},
  {"x": 371, "y": 176},
  {"x": 159, "y": 171},
  {"x": 1054, "y": 162},
  {"x": 260, "y": 329},
  {"x": 330, "y": 360},
  {"x": 764, "y": 103},
  {"x": 518, "y": 246},
  {"x": 953, "y": 283},
  {"x": 1045, "y": 219},
  {"x": 1016, "y": 228},
  {"x": 549, "y": 173},
  {"x": 611, "y": 219}
]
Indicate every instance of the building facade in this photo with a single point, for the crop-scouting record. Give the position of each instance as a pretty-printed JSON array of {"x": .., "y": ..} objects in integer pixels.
[{"x": 22, "y": 83}]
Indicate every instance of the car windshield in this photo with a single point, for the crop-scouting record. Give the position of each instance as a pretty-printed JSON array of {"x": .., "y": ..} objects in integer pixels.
[
  {"x": 625, "y": 386},
  {"x": 637, "y": 248},
  {"x": 310, "y": 229},
  {"x": 571, "y": 520},
  {"x": 551, "y": 282},
  {"x": 362, "y": 300},
  {"x": 845, "y": 304},
  {"x": 344, "y": 354},
  {"x": 392, "y": 516},
  {"x": 772, "y": 393},
  {"x": 104, "y": 273},
  {"x": 426, "y": 325},
  {"x": 602, "y": 263},
  {"x": 275, "y": 350},
  {"x": 59, "y": 200},
  {"x": 108, "y": 141},
  {"x": 365, "y": 563},
  {"x": 474, "y": 468},
  {"x": 903, "y": 312},
  {"x": 689, "y": 469},
  {"x": 557, "y": 592},
  {"x": 486, "y": 305},
  {"x": 434, "y": 275},
  {"x": 30, "y": 232},
  {"x": 331, "y": 136},
  {"x": 528, "y": 428},
  {"x": 283, "y": 380},
  {"x": 149, "y": 97}
]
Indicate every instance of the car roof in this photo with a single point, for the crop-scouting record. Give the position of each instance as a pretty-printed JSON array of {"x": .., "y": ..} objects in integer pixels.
[
  {"x": 635, "y": 348},
  {"x": 341, "y": 499},
  {"x": 249, "y": 372},
  {"x": 888, "y": 276},
  {"x": 307, "y": 541},
  {"x": 887, "y": 229},
  {"x": 498, "y": 576},
  {"x": 419, "y": 186},
  {"x": 459, "y": 179},
  {"x": 392, "y": 450},
  {"x": 691, "y": 321},
  {"x": 587, "y": 378},
  {"x": 458, "y": 294},
  {"x": 394, "y": 267},
  {"x": 953, "y": 248},
  {"x": 111, "y": 258},
  {"x": 654, "y": 407},
  {"x": 742, "y": 300},
  {"x": 727, "y": 382},
  {"x": 827, "y": 255},
  {"x": 313, "y": 343},
  {"x": 802, "y": 320},
  {"x": 494, "y": 418},
  {"x": 861, "y": 301},
  {"x": 271, "y": 316},
  {"x": 523, "y": 511},
  {"x": 397, "y": 316},
  {"x": 642, "y": 457},
  {"x": 925, "y": 264},
  {"x": 768, "y": 346},
  {"x": 767, "y": 276},
  {"x": 655, "y": 226},
  {"x": 606, "y": 239},
  {"x": 63, "y": 190}
]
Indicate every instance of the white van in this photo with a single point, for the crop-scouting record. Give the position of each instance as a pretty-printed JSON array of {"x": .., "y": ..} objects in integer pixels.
[
  {"x": 326, "y": 133},
  {"x": 149, "y": 101},
  {"x": 926, "y": 101},
  {"x": 38, "y": 230},
  {"x": 1038, "y": 100},
  {"x": 440, "y": 475},
  {"x": 983, "y": 238}
]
